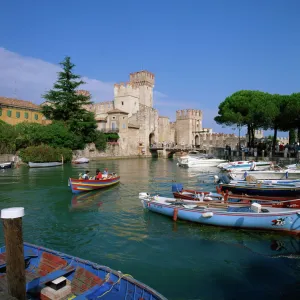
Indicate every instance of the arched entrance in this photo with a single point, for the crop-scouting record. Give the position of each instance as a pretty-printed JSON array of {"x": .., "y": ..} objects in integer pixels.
[
  {"x": 151, "y": 139},
  {"x": 197, "y": 141}
]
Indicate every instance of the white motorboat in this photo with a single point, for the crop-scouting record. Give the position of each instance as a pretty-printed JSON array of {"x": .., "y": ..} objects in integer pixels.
[
  {"x": 6, "y": 165},
  {"x": 246, "y": 165},
  {"x": 44, "y": 165},
  {"x": 194, "y": 162},
  {"x": 267, "y": 174}
]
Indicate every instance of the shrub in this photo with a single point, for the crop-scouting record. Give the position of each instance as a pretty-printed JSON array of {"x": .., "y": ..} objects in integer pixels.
[{"x": 45, "y": 153}]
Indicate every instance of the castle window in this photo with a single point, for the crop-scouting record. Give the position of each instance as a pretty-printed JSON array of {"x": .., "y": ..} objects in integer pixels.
[
  {"x": 26, "y": 115},
  {"x": 9, "y": 113},
  {"x": 17, "y": 114},
  {"x": 123, "y": 118},
  {"x": 113, "y": 118},
  {"x": 122, "y": 103},
  {"x": 36, "y": 116},
  {"x": 124, "y": 126}
]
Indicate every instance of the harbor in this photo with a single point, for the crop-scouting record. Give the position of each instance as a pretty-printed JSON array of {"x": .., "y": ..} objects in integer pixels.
[{"x": 180, "y": 260}]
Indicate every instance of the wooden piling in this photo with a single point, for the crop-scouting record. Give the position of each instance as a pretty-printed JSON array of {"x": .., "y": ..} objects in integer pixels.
[{"x": 15, "y": 264}]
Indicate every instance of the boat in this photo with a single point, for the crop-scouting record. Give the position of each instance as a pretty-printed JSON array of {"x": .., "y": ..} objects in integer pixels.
[
  {"x": 55, "y": 275},
  {"x": 245, "y": 165},
  {"x": 233, "y": 199},
  {"x": 253, "y": 216},
  {"x": 81, "y": 160},
  {"x": 45, "y": 164},
  {"x": 266, "y": 174},
  {"x": 194, "y": 161},
  {"x": 81, "y": 185},
  {"x": 6, "y": 165},
  {"x": 281, "y": 190}
]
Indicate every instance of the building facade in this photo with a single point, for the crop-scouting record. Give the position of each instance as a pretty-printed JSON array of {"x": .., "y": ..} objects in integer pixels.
[{"x": 13, "y": 111}]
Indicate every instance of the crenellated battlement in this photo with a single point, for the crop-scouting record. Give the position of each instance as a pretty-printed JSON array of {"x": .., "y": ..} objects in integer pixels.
[
  {"x": 185, "y": 114},
  {"x": 126, "y": 89},
  {"x": 142, "y": 78}
]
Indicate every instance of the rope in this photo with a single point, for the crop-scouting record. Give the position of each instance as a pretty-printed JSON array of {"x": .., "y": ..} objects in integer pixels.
[{"x": 118, "y": 281}]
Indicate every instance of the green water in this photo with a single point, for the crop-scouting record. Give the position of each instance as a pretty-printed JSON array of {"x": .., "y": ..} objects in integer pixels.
[{"x": 180, "y": 260}]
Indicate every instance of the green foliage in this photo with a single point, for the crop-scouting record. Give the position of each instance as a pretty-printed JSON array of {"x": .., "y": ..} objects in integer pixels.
[
  {"x": 45, "y": 153},
  {"x": 66, "y": 105},
  {"x": 100, "y": 141},
  {"x": 112, "y": 137},
  {"x": 56, "y": 134},
  {"x": 7, "y": 138},
  {"x": 256, "y": 109},
  {"x": 64, "y": 102}
]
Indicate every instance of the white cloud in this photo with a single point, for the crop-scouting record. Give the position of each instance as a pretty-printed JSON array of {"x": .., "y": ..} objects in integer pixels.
[{"x": 28, "y": 78}]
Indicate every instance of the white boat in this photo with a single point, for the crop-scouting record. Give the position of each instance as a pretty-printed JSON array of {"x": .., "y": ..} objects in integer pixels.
[
  {"x": 246, "y": 165},
  {"x": 82, "y": 160},
  {"x": 196, "y": 159},
  {"x": 44, "y": 165},
  {"x": 268, "y": 174},
  {"x": 6, "y": 165}
]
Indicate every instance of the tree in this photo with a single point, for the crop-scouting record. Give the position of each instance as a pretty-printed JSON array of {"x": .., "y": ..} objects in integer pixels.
[
  {"x": 65, "y": 103},
  {"x": 246, "y": 108}
]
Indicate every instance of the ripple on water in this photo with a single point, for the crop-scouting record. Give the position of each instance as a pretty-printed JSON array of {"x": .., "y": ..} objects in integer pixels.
[{"x": 110, "y": 227}]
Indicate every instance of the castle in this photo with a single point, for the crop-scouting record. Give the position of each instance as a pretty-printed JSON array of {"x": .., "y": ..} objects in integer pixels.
[{"x": 132, "y": 116}]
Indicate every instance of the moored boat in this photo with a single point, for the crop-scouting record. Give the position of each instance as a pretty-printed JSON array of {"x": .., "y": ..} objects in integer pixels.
[
  {"x": 55, "y": 275},
  {"x": 250, "y": 217},
  {"x": 266, "y": 174},
  {"x": 281, "y": 190},
  {"x": 45, "y": 164},
  {"x": 81, "y": 185},
  {"x": 82, "y": 160},
  {"x": 233, "y": 199},
  {"x": 6, "y": 165}
]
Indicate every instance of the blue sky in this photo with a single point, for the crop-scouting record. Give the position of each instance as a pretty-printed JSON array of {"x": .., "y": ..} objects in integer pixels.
[{"x": 200, "y": 51}]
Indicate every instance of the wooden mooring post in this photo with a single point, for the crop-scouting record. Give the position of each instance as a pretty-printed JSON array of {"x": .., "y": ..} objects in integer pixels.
[{"x": 15, "y": 264}]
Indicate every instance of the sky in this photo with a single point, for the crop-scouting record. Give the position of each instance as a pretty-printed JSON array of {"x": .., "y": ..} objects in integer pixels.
[{"x": 200, "y": 51}]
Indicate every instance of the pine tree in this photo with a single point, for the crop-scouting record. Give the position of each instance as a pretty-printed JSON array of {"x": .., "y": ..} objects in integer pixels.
[{"x": 64, "y": 103}]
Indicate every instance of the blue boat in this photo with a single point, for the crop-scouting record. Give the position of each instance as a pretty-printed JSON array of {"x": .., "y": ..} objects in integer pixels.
[
  {"x": 50, "y": 273},
  {"x": 258, "y": 189},
  {"x": 250, "y": 217}
]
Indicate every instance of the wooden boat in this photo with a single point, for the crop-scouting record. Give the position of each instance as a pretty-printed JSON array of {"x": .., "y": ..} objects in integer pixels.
[
  {"x": 282, "y": 190},
  {"x": 50, "y": 273},
  {"x": 250, "y": 217},
  {"x": 44, "y": 165},
  {"x": 80, "y": 185},
  {"x": 6, "y": 165}
]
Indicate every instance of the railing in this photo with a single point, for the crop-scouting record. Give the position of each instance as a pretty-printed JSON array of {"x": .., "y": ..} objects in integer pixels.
[{"x": 110, "y": 130}]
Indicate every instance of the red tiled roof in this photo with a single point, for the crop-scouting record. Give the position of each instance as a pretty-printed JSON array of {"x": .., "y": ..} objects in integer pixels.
[
  {"x": 117, "y": 111},
  {"x": 18, "y": 103}
]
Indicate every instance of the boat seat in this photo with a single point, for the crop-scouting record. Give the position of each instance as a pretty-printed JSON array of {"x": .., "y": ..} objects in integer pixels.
[
  {"x": 94, "y": 292},
  {"x": 28, "y": 253},
  {"x": 83, "y": 281},
  {"x": 50, "y": 267}
]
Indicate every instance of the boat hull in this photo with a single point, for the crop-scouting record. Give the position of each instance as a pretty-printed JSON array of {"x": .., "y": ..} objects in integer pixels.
[
  {"x": 44, "y": 165},
  {"x": 80, "y": 186},
  {"x": 262, "y": 191},
  {"x": 264, "y": 175},
  {"x": 87, "y": 280},
  {"x": 6, "y": 165},
  {"x": 288, "y": 221}
]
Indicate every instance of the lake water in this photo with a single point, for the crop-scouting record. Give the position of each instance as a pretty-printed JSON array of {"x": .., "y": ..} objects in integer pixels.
[{"x": 180, "y": 260}]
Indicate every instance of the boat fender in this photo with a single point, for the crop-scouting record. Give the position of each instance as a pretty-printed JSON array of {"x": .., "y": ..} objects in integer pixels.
[
  {"x": 175, "y": 214},
  {"x": 143, "y": 195},
  {"x": 208, "y": 214}
]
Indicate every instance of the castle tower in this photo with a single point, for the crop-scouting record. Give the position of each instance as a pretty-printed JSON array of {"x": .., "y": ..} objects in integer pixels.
[
  {"x": 144, "y": 81},
  {"x": 188, "y": 126}
]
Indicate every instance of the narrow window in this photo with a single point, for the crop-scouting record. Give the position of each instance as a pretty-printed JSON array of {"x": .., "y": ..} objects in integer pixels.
[
  {"x": 9, "y": 113},
  {"x": 18, "y": 114},
  {"x": 36, "y": 116},
  {"x": 122, "y": 103},
  {"x": 26, "y": 115},
  {"x": 124, "y": 126}
]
